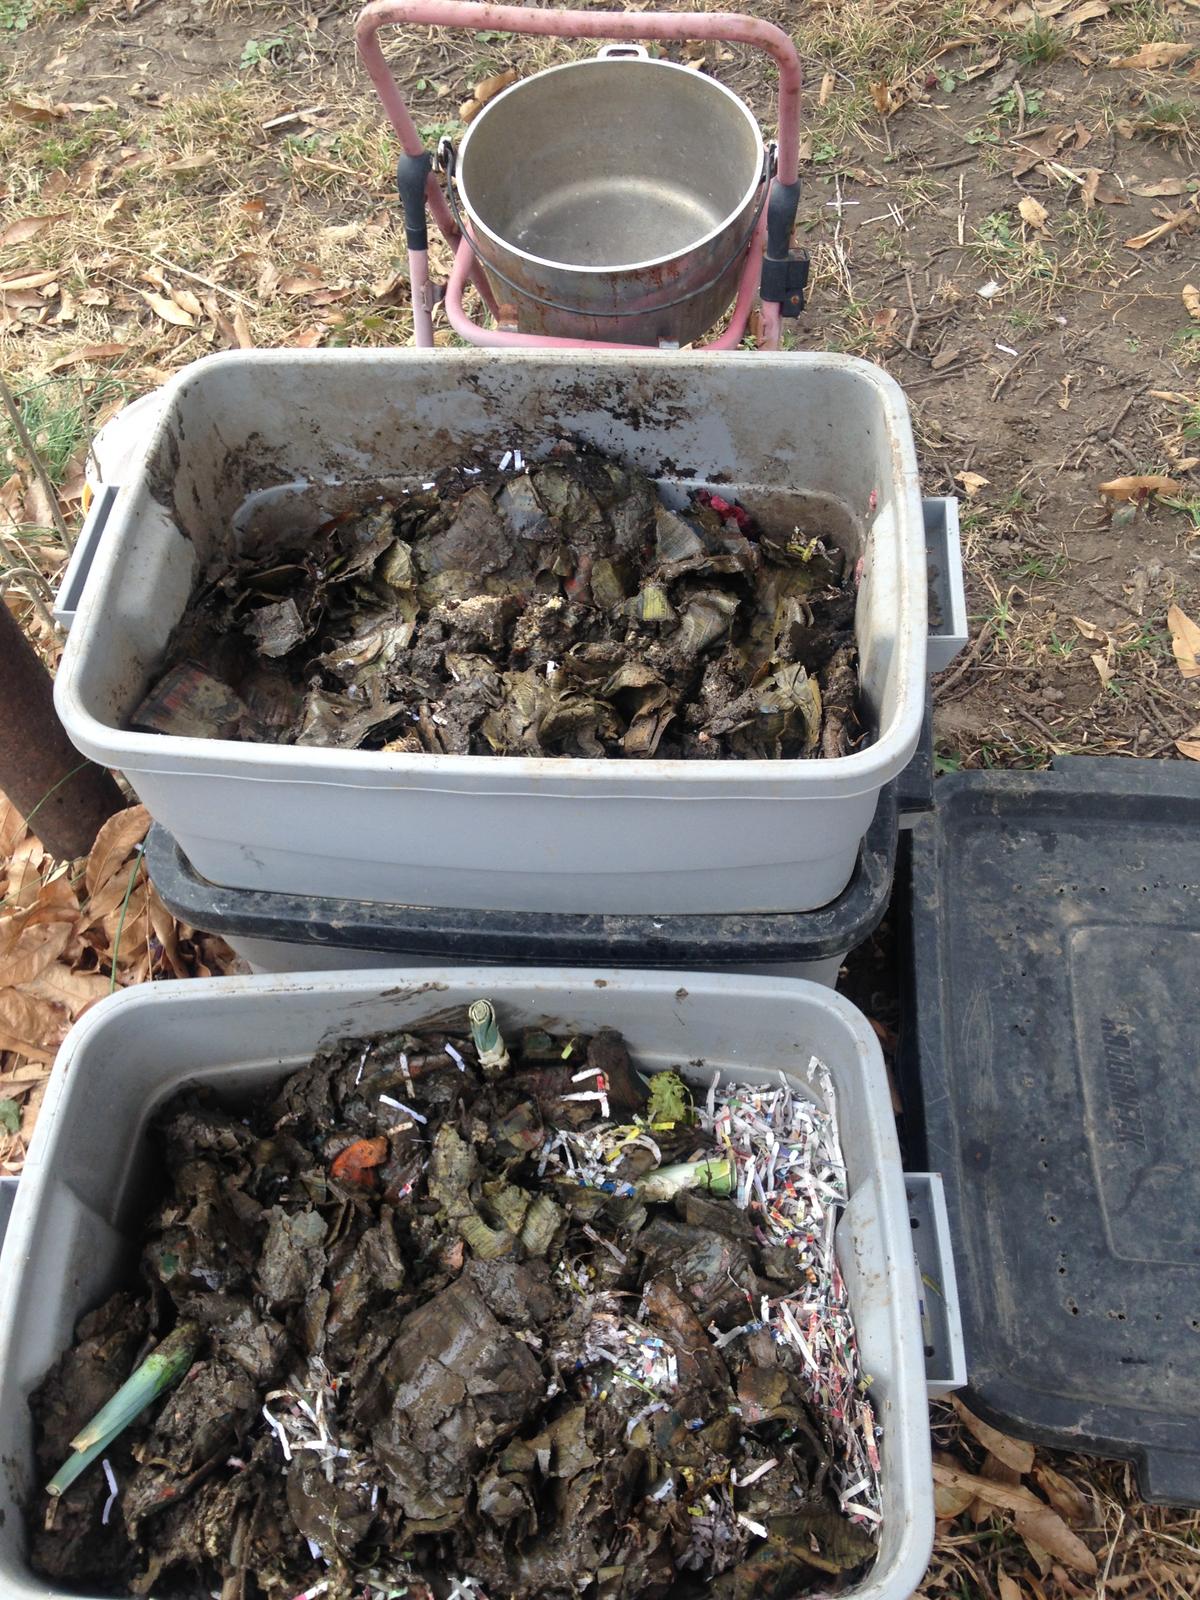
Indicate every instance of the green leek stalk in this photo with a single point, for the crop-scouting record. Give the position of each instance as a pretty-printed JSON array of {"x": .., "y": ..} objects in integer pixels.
[
  {"x": 489, "y": 1044},
  {"x": 160, "y": 1371},
  {"x": 667, "y": 1182}
]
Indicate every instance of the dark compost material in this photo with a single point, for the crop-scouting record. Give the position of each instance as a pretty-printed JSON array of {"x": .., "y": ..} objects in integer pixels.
[
  {"x": 563, "y": 610},
  {"x": 447, "y": 1321}
]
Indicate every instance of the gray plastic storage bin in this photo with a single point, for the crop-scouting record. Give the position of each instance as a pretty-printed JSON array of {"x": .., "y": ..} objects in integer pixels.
[
  {"x": 81, "y": 1197},
  {"x": 280, "y": 439}
]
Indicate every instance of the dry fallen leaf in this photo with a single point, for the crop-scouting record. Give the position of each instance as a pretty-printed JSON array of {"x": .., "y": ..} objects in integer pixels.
[
  {"x": 308, "y": 338},
  {"x": 255, "y": 209},
  {"x": 1047, "y": 1529},
  {"x": 28, "y": 280},
  {"x": 883, "y": 324},
  {"x": 26, "y": 228},
  {"x": 1164, "y": 188},
  {"x": 1089, "y": 11},
  {"x": 1032, "y": 211},
  {"x": 1140, "y": 486},
  {"x": 1032, "y": 1518},
  {"x": 887, "y": 99},
  {"x": 187, "y": 301},
  {"x": 1010, "y": 1589},
  {"x": 192, "y": 163},
  {"x": 301, "y": 283},
  {"x": 89, "y": 352},
  {"x": 1185, "y": 641},
  {"x": 1171, "y": 221},
  {"x": 949, "y": 1501},
  {"x": 1154, "y": 55},
  {"x": 1191, "y": 300},
  {"x": 35, "y": 110},
  {"x": 1067, "y": 1499},
  {"x": 1104, "y": 667},
  {"x": 1189, "y": 747},
  {"x": 826, "y": 89},
  {"x": 1014, "y": 1453},
  {"x": 972, "y": 482},
  {"x": 491, "y": 87},
  {"x": 168, "y": 310},
  {"x": 113, "y": 843},
  {"x": 241, "y": 328}
]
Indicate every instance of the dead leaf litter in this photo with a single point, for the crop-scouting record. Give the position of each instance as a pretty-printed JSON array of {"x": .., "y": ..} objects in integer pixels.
[{"x": 558, "y": 608}]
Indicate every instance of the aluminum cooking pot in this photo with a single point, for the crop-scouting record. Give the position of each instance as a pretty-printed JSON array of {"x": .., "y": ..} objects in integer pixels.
[{"x": 613, "y": 199}]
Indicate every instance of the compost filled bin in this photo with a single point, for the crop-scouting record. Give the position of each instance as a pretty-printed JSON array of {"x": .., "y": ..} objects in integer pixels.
[
  {"x": 272, "y": 443},
  {"x": 81, "y": 1205}
]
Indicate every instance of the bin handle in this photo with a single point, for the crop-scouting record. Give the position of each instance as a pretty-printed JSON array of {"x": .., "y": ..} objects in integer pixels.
[
  {"x": 944, "y": 566},
  {"x": 622, "y": 52},
  {"x": 74, "y": 579},
  {"x": 936, "y": 1284}
]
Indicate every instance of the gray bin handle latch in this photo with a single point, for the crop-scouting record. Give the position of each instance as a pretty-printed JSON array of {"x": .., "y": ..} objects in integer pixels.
[{"x": 74, "y": 579}]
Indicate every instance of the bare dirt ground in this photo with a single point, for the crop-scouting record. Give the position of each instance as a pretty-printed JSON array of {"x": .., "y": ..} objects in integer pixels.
[{"x": 1001, "y": 201}]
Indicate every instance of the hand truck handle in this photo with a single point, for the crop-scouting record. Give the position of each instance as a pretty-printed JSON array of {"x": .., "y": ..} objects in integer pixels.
[{"x": 729, "y": 27}]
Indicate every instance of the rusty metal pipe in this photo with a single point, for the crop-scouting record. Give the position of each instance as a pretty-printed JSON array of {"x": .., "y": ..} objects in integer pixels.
[{"x": 40, "y": 770}]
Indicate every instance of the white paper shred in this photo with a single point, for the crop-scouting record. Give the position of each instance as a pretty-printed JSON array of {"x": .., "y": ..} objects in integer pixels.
[{"x": 113, "y": 1491}]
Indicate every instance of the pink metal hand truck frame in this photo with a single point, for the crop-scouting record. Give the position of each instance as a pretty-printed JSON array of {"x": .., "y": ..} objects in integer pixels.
[{"x": 770, "y": 271}]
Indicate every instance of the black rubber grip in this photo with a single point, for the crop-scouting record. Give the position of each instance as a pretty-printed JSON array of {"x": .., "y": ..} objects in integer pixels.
[{"x": 412, "y": 174}]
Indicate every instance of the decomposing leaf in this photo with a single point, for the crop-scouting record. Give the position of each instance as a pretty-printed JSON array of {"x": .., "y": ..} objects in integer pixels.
[
  {"x": 1185, "y": 641},
  {"x": 1191, "y": 300},
  {"x": 972, "y": 482},
  {"x": 167, "y": 309},
  {"x": 1014, "y": 1453},
  {"x": 486, "y": 562},
  {"x": 1032, "y": 211},
  {"x": 10, "y": 1116},
  {"x": 26, "y": 228},
  {"x": 1154, "y": 55},
  {"x": 1140, "y": 486}
]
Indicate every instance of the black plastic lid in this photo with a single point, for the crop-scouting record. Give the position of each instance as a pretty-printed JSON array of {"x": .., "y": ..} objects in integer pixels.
[
  {"x": 543, "y": 938},
  {"x": 1054, "y": 1027}
]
